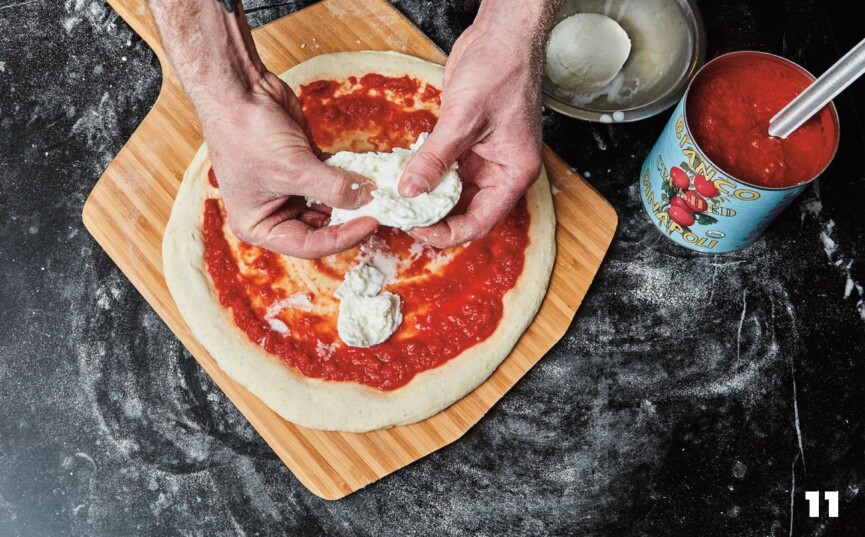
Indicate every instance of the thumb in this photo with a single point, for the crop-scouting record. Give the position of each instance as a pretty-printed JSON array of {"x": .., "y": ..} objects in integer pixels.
[
  {"x": 433, "y": 159},
  {"x": 333, "y": 186}
]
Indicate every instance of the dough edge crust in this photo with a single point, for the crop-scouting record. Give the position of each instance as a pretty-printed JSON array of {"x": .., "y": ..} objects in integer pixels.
[{"x": 346, "y": 406}]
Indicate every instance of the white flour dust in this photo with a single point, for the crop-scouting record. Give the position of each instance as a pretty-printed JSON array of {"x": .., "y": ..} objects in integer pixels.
[{"x": 812, "y": 207}]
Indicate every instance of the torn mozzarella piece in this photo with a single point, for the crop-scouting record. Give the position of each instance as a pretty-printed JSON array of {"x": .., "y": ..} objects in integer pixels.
[
  {"x": 278, "y": 326},
  {"x": 367, "y": 316},
  {"x": 298, "y": 301},
  {"x": 387, "y": 206},
  {"x": 375, "y": 252}
]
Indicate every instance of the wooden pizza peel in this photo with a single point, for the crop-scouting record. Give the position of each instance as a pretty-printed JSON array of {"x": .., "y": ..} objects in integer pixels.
[{"x": 129, "y": 207}]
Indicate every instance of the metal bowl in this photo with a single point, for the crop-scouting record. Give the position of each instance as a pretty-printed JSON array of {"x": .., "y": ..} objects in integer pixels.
[{"x": 668, "y": 46}]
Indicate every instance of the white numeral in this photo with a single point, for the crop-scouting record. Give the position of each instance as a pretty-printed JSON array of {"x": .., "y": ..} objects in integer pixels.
[
  {"x": 813, "y": 497},
  {"x": 832, "y": 497}
]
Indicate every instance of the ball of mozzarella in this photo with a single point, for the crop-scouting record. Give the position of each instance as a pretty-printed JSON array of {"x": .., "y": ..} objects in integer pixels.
[{"x": 586, "y": 51}]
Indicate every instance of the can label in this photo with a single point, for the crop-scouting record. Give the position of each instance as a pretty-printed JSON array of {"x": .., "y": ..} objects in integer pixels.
[{"x": 699, "y": 206}]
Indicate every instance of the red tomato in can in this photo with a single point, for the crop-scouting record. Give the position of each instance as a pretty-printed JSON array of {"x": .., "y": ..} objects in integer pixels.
[{"x": 679, "y": 178}]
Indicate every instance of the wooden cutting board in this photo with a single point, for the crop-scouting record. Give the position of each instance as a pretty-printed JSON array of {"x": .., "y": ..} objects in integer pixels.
[{"x": 129, "y": 207}]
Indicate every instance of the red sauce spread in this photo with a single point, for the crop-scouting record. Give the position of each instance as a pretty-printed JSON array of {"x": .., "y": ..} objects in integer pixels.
[
  {"x": 729, "y": 108},
  {"x": 389, "y": 112},
  {"x": 450, "y": 308},
  {"x": 458, "y": 307}
]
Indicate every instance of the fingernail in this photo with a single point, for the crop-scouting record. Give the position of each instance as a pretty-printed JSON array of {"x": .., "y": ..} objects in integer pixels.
[
  {"x": 365, "y": 194},
  {"x": 414, "y": 186}
]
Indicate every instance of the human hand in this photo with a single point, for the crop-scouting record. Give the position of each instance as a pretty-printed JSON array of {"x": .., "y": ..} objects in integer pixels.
[
  {"x": 257, "y": 136},
  {"x": 489, "y": 123},
  {"x": 265, "y": 165}
]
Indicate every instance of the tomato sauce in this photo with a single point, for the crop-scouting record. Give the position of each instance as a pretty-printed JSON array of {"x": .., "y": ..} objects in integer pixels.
[
  {"x": 333, "y": 108},
  {"x": 729, "y": 108},
  {"x": 456, "y": 308},
  {"x": 452, "y": 308}
]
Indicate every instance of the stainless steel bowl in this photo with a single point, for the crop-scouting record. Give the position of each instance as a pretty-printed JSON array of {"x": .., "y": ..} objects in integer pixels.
[{"x": 668, "y": 46}]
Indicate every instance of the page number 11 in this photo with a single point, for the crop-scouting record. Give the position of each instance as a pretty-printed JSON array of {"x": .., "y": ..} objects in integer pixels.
[{"x": 813, "y": 497}]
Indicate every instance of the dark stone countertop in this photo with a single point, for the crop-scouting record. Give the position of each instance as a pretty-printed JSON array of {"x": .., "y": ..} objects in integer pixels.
[{"x": 693, "y": 395}]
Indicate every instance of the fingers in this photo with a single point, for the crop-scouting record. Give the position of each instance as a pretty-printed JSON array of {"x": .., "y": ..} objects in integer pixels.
[
  {"x": 313, "y": 219},
  {"x": 497, "y": 190},
  {"x": 470, "y": 190},
  {"x": 329, "y": 185},
  {"x": 298, "y": 238},
  {"x": 435, "y": 157},
  {"x": 294, "y": 109},
  {"x": 485, "y": 210},
  {"x": 300, "y": 231},
  {"x": 295, "y": 112}
]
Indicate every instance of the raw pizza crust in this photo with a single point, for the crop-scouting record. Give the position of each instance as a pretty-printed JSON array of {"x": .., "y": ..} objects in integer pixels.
[{"x": 345, "y": 406}]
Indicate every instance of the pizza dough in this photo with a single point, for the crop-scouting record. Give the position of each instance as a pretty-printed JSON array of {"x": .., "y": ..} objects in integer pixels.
[
  {"x": 345, "y": 406},
  {"x": 387, "y": 206}
]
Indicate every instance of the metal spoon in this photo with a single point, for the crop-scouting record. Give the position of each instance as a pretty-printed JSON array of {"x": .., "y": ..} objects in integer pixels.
[{"x": 819, "y": 93}]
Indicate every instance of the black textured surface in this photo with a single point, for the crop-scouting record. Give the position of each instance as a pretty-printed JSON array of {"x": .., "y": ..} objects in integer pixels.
[{"x": 691, "y": 394}]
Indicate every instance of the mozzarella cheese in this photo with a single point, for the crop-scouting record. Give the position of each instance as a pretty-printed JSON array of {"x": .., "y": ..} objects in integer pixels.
[
  {"x": 387, "y": 206},
  {"x": 367, "y": 316},
  {"x": 586, "y": 51}
]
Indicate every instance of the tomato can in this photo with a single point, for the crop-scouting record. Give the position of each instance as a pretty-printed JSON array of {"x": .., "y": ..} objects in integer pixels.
[{"x": 721, "y": 212}]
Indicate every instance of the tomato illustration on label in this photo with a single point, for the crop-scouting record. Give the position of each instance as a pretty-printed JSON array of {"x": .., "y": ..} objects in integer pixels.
[
  {"x": 679, "y": 178},
  {"x": 695, "y": 202},
  {"x": 683, "y": 217},
  {"x": 678, "y": 201},
  {"x": 704, "y": 187},
  {"x": 690, "y": 198}
]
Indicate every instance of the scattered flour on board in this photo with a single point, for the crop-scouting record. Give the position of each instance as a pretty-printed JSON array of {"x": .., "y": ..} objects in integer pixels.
[
  {"x": 602, "y": 145},
  {"x": 96, "y": 13},
  {"x": 706, "y": 357}
]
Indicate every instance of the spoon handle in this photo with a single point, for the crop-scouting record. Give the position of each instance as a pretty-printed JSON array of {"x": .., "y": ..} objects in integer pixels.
[{"x": 819, "y": 93}]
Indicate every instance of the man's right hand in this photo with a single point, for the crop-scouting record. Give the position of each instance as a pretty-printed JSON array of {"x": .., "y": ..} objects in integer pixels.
[
  {"x": 265, "y": 167},
  {"x": 256, "y": 133}
]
